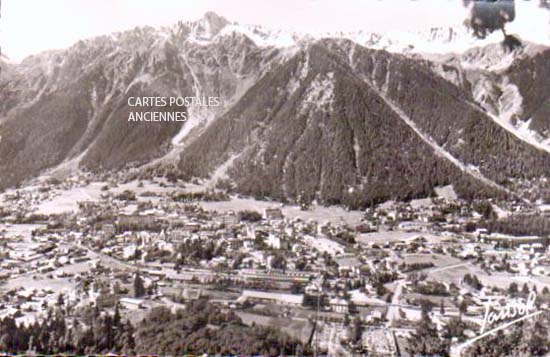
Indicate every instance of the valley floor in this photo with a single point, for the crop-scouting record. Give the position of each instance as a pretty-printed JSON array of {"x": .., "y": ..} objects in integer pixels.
[{"x": 331, "y": 280}]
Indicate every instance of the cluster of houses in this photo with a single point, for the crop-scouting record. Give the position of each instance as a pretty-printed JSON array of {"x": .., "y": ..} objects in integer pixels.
[{"x": 264, "y": 263}]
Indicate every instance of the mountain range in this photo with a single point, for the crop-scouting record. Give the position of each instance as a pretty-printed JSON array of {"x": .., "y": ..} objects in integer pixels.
[{"x": 349, "y": 119}]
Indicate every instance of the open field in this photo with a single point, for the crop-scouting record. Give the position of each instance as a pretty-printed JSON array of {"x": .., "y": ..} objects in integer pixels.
[
  {"x": 300, "y": 329},
  {"x": 397, "y": 236},
  {"x": 438, "y": 260},
  {"x": 67, "y": 200},
  {"x": 57, "y": 285},
  {"x": 454, "y": 275},
  {"x": 318, "y": 213}
]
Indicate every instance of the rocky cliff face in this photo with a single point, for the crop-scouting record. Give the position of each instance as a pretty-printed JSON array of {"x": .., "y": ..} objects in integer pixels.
[
  {"x": 72, "y": 105},
  {"x": 530, "y": 75},
  {"x": 328, "y": 119}
]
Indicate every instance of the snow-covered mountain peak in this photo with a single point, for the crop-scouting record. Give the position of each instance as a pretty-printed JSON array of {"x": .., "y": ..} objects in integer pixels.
[
  {"x": 434, "y": 40},
  {"x": 456, "y": 38},
  {"x": 208, "y": 27},
  {"x": 212, "y": 28},
  {"x": 264, "y": 37}
]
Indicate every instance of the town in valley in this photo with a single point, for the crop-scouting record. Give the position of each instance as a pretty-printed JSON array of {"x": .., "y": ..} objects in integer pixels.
[{"x": 392, "y": 279}]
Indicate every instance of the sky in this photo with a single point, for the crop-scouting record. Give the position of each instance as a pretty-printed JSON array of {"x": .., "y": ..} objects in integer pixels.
[{"x": 30, "y": 26}]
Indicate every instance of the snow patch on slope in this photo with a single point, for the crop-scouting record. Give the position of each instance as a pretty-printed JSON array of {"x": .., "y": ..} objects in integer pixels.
[
  {"x": 195, "y": 115},
  {"x": 320, "y": 93},
  {"x": 524, "y": 129},
  {"x": 262, "y": 37},
  {"x": 303, "y": 70},
  {"x": 221, "y": 171},
  {"x": 357, "y": 154},
  {"x": 492, "y": 58},
  {"x": 145, "y": 78},
  {"x": 510, "y": 103},
  {"x": 446, "y": 192},
  {"x": 508, "y": 110}
]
